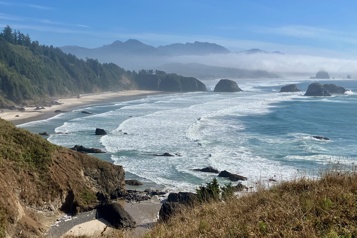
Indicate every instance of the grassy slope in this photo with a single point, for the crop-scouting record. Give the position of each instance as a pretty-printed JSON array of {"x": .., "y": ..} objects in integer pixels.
[
  {"x": 303, "y": 208},
  {"x": 37, "y": 174}
]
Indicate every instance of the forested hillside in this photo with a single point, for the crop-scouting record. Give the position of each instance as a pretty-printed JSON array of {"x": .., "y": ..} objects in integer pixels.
[{"x": 33, "y": 73}]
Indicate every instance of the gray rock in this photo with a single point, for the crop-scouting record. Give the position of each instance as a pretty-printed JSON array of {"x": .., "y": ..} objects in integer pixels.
[
  {"x": 317, "y": 89},
  {"x": 289, "y": 88},
  {"x": 322, "y": 75},
  {"x": 227, "y": 85},
  {"x": 101, "y": 132},
  {"x": 115, "y": 214},
  {"x": 230, "y": 176},
  {"x": 208, "y": 169}
]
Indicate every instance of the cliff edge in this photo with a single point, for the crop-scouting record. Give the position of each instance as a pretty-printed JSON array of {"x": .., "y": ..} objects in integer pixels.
[{"x": 39, "y": 179}]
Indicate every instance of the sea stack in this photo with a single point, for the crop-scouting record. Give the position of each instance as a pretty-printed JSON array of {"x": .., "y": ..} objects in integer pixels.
[
  {"x": 227, "y": 85},
  {"x": 289, "y": 88},
  {"x": 322, "y": 75},
  {"x": 317, "y": 89}
]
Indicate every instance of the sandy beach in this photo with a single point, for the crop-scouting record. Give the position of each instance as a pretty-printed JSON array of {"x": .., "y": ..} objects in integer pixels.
[{"x": 67, "y": 104}]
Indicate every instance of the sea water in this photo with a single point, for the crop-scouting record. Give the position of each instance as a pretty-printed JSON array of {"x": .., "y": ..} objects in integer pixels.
[{"x": 258, "y": 133}]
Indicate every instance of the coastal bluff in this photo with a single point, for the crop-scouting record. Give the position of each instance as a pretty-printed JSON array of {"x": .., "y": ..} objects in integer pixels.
[{"x": 39, "y": 179}]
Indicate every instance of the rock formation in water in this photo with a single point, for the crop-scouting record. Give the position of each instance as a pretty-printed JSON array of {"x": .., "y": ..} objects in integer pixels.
[
  {"x": 227, "y": 85},
  {"x": 322, "y": 75},
  {"x": 289, "y": 88},
  {"x": 317, "y": 89}
]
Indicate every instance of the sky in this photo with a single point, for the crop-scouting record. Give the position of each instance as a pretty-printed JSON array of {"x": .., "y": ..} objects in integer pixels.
[{"x": 324, "y": 28}]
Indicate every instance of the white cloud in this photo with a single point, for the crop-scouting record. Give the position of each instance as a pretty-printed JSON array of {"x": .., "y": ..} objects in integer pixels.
[{"x": 283, "y": 64}]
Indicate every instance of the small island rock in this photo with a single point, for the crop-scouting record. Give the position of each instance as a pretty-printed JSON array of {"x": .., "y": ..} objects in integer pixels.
[
  {"x": 227, "y": 85},
  {"x": 289, "y": 88},
  {"x": 322, "y": 75},
  {"x": 317, "y": 89},
  {"x": 101, "y": 132}
]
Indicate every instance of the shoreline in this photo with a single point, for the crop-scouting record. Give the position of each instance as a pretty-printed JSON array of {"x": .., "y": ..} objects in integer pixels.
[{"x": 69, "y": 104}]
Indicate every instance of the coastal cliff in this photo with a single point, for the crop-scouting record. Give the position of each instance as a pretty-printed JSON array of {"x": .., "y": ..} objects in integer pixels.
[{"x": 39, "y": 179}]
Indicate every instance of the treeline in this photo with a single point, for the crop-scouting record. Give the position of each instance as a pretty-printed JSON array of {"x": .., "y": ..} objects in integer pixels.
[{"x": 33, "y": 73}]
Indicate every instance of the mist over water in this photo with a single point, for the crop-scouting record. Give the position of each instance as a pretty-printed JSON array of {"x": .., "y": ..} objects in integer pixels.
[{"x": 258, "y": 133}]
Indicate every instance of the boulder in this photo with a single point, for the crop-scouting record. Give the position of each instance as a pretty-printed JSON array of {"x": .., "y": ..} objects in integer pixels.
[
  {"x": 174, "y": 203},
  {"x": 83, "y": 149},
  {"x": 43, "y": 133},
  {"x": 317, "y": 89},
  {"x": 133, "y": 182},
  {"x": 168, "y": 209},
  {"x": 322, "y": 75},
  {"x": 186, "y": 198},
  {"x": 227, "y": 85},
  {"x": 101, "y": 132},
  {"x": 115, "y": 214},
  {"x": 230, "y": 176},
  {"x": 289, "y": 88},
  {"x": 208, "y": 169}
]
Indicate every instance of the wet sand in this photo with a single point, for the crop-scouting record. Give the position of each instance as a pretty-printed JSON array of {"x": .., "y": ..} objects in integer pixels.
[{"x": 67, "y": 104}]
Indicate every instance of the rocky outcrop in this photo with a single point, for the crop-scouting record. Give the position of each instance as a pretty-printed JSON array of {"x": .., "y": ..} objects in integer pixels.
[
  {"x": 115, "y": 214},
  {"x": 208, "y": 169},
  {"x": 81, "y": 148},
  {"x": 174, "y": 203},
  {"x": 291, "y": 88},
  {"x": 317, "y": 89},
  {"x": 37, "y": 177},
  {"x": 226, "y": 85},
  {"x": 322, "y": 75},
  {"x": 100, "y": 132},
  {"x": 230, "y": 176}
]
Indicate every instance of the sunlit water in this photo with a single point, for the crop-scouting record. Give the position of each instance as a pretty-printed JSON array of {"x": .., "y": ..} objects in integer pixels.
[{"x": 258, "y": 133}]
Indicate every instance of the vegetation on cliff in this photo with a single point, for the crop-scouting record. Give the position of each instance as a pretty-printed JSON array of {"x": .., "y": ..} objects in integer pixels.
[
  {"x": 36, "y": 175},
  {"x": 301, "y": 208}
]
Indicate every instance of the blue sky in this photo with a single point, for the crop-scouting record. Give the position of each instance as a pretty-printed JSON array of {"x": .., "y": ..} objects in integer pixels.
[{"x": 314, "y": 27}]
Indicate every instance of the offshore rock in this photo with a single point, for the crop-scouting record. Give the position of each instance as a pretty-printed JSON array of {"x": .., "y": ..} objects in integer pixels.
[
  {"x": 322, "y": 75},
  {"x": 81, "y": 148},
  {"x": 230, "y": 176},
  {"x": 317, "y": 89},
  {"x": 208, "y": 169},
  {"x": 227, "y": 85},
  {"x": 100, "y": 132},
  {"x": 289, "y": 88}
]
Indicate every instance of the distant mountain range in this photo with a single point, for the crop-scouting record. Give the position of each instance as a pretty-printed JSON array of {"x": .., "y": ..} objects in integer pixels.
[{"x": 135, "y": 55}]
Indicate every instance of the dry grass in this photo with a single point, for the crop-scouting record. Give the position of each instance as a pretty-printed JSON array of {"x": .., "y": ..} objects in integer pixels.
[{"x": 303, "y": 208}]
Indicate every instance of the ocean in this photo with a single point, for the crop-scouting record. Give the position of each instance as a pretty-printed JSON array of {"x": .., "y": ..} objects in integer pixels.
[{"x": 258, "y": 133}]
